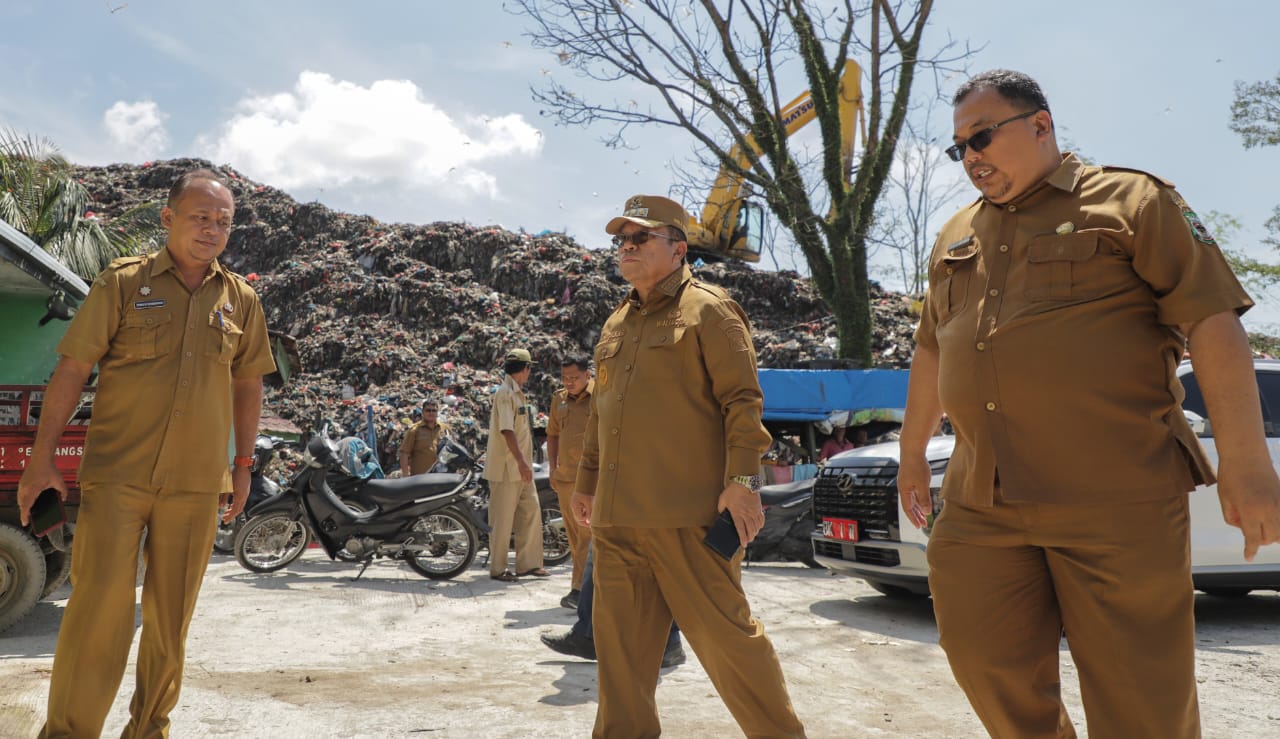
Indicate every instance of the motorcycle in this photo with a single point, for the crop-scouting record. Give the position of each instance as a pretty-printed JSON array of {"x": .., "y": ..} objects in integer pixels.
[
  {"x": 788, "y": 522},
  {"x": 555, "y": 540},
  {"x": 261, "y": 488},
  {"x": 422, "y": 519}
]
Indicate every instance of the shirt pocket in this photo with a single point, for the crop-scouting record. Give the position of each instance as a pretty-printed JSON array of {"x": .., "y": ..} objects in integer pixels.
[
  {"x": 224, "y": 338},
  {"x": 145, "y": 335},
  {"x": 1057, "y": 266},
  {"x": 952, "y": 277}
]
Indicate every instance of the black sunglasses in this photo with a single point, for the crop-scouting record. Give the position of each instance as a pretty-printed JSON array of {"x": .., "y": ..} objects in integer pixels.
[
  {"x": 638, "y": 238},
  {"x": 982, "y": 139}
]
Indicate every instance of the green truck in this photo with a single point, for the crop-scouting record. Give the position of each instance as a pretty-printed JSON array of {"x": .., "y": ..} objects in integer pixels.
[{"x": 38, "y": 296}]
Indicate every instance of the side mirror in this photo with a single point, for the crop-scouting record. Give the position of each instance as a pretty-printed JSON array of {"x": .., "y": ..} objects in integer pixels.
[{"x": 1198, "y": 424}]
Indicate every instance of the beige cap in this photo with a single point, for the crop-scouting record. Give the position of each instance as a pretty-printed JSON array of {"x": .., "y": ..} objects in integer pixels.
[
  {"x": 519, "y": 355},
  {"x": 650, "y": 211}
]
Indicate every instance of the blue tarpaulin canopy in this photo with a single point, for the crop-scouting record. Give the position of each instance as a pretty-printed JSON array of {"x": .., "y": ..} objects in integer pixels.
[{"x": 815, "y": 395}]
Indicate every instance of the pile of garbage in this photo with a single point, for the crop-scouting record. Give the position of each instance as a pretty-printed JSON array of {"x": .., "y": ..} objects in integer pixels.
[{"x": 386, "y": 315}]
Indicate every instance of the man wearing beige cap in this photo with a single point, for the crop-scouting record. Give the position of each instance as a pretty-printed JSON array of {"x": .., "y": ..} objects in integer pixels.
[
  {"x": 513, "y": 500},
  {"x": 673, "y": 438}
]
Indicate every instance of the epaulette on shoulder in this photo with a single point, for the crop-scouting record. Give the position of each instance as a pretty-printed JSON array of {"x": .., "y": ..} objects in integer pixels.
[
  {"x": 715, "y": 290},
  {"x": 122, "y": 262},
  {"x": 1157, "y": 178}
]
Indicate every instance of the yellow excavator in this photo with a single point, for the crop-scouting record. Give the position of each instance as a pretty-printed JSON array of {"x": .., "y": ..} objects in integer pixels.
[{"x": 731, "y": 226}]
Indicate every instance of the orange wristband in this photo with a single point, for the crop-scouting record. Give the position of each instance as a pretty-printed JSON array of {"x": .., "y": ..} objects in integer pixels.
[{"x": 246, "y": 461}]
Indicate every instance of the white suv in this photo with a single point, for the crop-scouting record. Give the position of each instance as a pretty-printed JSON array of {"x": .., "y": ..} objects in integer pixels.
[{"x": 864, "y": 533}]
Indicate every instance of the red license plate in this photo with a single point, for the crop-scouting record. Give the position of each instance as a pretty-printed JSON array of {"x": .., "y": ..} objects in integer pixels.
[{"x": 840, "y": 528}]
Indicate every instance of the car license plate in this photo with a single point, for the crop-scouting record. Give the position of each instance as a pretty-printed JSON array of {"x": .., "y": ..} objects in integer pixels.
[{"x": 840, "y": 528}]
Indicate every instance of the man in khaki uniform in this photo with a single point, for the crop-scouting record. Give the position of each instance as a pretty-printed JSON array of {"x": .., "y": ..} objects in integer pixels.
[
  {"x": 674, "y": 437},
  {"x": 513, "y": 499},
  {"x": 420, "y": 446},
  {"x": 1059, "y": 306},
  {"x": 181, "y": 347},
  {"x": 570, "y": 406}
]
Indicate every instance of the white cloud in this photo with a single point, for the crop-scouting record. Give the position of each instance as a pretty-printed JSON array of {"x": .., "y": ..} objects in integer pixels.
[
  {"x": 137, "y": 129},
  {"x": 329, "y": 133}
]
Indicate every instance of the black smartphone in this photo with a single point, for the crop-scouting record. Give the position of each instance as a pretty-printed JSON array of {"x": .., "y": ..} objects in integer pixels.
[
  {"x": 722, "y": 537},
  {"x": 47, "y": 513}
]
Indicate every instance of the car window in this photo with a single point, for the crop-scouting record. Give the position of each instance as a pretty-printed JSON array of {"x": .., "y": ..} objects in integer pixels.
[
  {"x": 1268, "y": 395},
  {"x": 1269, "y": 391}
]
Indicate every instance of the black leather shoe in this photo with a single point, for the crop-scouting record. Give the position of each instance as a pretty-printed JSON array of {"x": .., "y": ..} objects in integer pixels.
[
  {"x": 571, "y": 644},
  {"x": 672, "y": 657},
  {"x": 570, "y": 601}
]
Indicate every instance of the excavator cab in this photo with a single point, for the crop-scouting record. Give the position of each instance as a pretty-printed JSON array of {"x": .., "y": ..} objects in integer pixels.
[{"x": 747, "y": 237}]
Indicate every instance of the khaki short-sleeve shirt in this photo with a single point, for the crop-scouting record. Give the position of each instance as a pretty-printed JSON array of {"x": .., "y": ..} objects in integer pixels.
[
  {"x": 166, "y": 358},
  {"x": 1055, "y": 321},
  {"x": 568, "y": 420},
  {"x": 676, "y": 407},
  {"x": 510, "y": 413},
  {"x": 423, "y": 444}
]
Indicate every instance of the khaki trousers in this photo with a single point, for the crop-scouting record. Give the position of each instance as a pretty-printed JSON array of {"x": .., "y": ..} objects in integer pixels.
[
  {"x": 98, "y": 623},
  {"x": 644, "y": 577},
  {"x": 1007, "y": 580},
  {"x": 514, "y": 504},
  {"x": 579, "y": 536}
]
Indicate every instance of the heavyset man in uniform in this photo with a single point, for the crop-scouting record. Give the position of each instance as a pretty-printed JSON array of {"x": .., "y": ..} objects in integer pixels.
[
  {"x": 181, "y": 347},
  {"x": 1059, "y": 306},
  {"x": 420, "y": 447}
]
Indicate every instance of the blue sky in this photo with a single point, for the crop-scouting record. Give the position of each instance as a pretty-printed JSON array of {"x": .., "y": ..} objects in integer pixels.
[{"x": 420, "y": 110}]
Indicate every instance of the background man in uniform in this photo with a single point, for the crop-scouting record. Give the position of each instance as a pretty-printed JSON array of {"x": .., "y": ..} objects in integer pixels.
[
  {"x": 421, "y": 443},
  {"x": 566, "y": 427},
  {"x": 674, "y": 437},
  {"x": 1059, "y": 305},
  {"x": 513, "y": 500},
  {"x": 181, "y": 346}
]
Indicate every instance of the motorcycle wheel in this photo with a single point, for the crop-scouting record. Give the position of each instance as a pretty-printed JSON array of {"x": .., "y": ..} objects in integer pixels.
[
  {"x": 555, "y": 540},
  {"x": 454, "y": 542},
  {"x": 269, "y": 542},
  {"x": 224, "y": 541}
]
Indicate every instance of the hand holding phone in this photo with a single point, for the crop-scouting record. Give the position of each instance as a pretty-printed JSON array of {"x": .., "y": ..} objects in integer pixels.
[
  {"x": 722, "y": 537},
  {"x": 47, "y": 512}
]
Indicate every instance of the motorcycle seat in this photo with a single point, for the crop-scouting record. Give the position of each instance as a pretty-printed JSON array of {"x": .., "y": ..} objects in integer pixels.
[{"x": 386, "y": 493}]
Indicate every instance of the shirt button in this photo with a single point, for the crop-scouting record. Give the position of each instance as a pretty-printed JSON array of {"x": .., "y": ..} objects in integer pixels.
[
  {"x": 185, "y": 383},
  {"x": 993, "y": 292},
  {"x": 150, "y": 321},
  {"x": 627, "y": 368},
  {"x": 613, "y": 466},
  {"x": 619, "y": 396},
  {"x": 177, "y": 413},
  {"x": 644, "y": 312},
  {"x": 991, "y": 406},
  {"x": 634, "y": 339},
  {"x": 1004, "y": 247},
  {"x": 1013, "y": 209},
  {"x": 613, "y": 431},
  {"x": 981, "y": 346},
  {"x": 188, "y": 354},
  {"x": 950, "y": 270}
]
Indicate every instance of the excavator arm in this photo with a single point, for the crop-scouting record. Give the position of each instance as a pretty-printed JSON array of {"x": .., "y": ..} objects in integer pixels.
[{"x": 731, "y": 226}]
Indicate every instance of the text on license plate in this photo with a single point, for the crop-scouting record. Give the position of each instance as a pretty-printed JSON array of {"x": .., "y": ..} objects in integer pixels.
[{"x": 840, "y": 528}]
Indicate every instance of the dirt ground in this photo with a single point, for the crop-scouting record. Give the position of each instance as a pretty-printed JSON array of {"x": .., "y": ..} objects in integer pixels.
[{"x": 307, "y": 652}]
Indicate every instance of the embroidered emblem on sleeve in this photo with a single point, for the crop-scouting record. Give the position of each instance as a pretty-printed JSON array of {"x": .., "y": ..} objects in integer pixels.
[
  {"x": 736, "y": 333},
  {"x": 1198, "y": 229}
]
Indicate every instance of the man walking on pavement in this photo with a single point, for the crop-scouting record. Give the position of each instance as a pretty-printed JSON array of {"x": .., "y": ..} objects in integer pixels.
[
  {"x": 673, "y": 438},
  {"x": 513, "y": 500},
  {"x": 570, "y": 407},
  {"x": 421, "y": 443},
  {"x": 181, "y": 347},
  {"x": 1060, "y": 304}
]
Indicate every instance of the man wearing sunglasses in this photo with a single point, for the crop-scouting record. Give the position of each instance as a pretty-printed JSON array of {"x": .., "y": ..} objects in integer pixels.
[
  {"x": 673, "y": 437},
  {"x": 1059, "y": 306}
]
